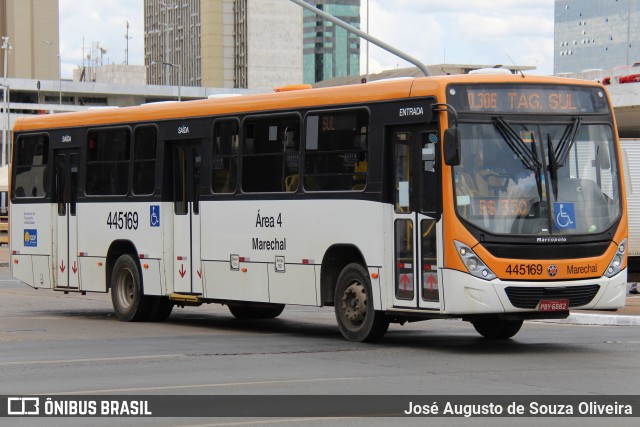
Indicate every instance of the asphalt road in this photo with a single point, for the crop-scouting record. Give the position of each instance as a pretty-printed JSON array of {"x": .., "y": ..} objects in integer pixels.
[{"x": 54, "y": 344}]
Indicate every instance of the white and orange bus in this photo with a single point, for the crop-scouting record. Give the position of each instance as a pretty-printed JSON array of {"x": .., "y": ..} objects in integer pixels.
[{"x": 491, "y": 198}]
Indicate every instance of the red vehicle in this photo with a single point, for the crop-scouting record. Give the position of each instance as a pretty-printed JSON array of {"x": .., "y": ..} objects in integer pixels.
[{"x": 631, "y": 78}]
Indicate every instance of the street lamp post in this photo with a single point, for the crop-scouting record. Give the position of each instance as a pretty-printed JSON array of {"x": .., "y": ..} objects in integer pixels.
[
  {"x": 6, "y": 46},
  {"x": 50, "y": 44},
  {"x": 60, "y": 78},
  {"x": 165, "y": 32},
  {"x": 179, "y": 80},
  {"x": 367, "y": 41},
  {"x": 168, "y": 64},
  {"x": 5, "y": 133},
  {"x": 5, "y": 123}
]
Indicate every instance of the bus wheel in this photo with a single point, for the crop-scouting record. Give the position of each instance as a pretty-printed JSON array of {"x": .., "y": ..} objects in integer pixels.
[
  {"x": 497, "y": 329},
  {"x": 161, "y": 309},
  {"x": 249, "y": 312},
  {"x": 126, "y": 290},
  {"x": 357, "y": 319}
]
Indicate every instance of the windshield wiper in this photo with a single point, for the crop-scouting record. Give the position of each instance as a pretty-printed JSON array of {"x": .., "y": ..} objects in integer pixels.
[
  {"x": 558, "y": 157},
  {"x": 566, "y": 142},
  {"x": 553, "y": 166},
  {"x": 528, "y": 157}
]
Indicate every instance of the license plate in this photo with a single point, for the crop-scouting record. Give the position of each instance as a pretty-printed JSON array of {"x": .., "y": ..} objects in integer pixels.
[{"x": 553, "y": 305}]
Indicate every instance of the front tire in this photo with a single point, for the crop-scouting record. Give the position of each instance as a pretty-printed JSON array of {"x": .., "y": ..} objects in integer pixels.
[
  {"x": 497, "y": 329},
  {"x": 353, "y": 303},
  {"x": 127, "y": 295}
]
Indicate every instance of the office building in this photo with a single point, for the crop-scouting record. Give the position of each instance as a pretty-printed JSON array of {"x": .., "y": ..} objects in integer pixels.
[
  {"x": 331, "y": 51},
  {"x": 254, "y": 44},
  {"x": 596, "y": 34},
  {"x": 32, "y": 28}
]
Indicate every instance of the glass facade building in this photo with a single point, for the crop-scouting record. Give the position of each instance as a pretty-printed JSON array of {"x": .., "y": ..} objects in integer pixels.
[
  {"x": 596, "y": 34},
  {"x": 331, "y": 51}
]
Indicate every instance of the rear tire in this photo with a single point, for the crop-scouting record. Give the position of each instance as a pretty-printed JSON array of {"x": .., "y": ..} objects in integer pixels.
[
  {"x": 353, "y": 304},
  {"x": 497, "y": 329},
  {"x": 249, "y": 312},
  {"x": 127, "y": 296}
]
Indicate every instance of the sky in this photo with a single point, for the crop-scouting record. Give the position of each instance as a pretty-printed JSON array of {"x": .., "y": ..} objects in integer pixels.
[{"x": 432, "y": 31}]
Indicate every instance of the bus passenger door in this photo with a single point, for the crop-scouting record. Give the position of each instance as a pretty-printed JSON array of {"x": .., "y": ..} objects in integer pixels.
[
  {"x": 417, "y": 230},
  {"x": 66, "y": 242},
  {"x": 186, "y": 158}
]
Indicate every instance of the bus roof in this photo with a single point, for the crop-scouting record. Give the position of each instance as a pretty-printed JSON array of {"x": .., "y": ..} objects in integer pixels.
[{"x": 304, "y": 98}]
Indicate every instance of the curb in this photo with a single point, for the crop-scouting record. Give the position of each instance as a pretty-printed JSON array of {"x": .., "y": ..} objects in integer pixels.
[{"x": 597, "y": 319}]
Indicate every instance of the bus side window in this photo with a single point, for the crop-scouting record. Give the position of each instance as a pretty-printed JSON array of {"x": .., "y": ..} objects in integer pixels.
[
  {"x": 144, "y": 160},
  {"x": 30, "y": 166},
  {"x": 402, "y": 173},
  {"x": 430, "y": 182},
  {"x": 61, "y": 191},
  {"x": 108, "y": 162},
  {"x": 226, "y": 136},
  {"x": 336, "y": 151},
  {"x": 270, "y": 154}
]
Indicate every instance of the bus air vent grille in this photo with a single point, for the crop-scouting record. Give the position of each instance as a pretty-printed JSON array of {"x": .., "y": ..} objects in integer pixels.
[{"x": 529, "y": 297}]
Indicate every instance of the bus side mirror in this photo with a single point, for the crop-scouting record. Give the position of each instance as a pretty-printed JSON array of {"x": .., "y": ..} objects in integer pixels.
[{"x": 452, "y": 146}]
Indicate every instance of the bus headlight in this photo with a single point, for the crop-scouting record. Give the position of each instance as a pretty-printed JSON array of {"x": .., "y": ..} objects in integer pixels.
[
  {"x": 473, "y": 263},
  {"x": 618, "y": 260}
]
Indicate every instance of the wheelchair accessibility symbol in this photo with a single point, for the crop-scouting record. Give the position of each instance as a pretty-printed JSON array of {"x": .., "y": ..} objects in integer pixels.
[
  {"x": 565, "y": 216},
  {"x": 154, "y": 215}
]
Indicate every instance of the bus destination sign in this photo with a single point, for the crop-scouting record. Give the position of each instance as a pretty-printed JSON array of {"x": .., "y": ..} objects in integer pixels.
[{"x": 527, "y": 99}]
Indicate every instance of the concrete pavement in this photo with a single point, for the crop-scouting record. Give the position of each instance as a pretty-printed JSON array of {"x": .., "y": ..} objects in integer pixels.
[
  {"x": 629, "y": 315},
  {"x": 626, "y": 316}
]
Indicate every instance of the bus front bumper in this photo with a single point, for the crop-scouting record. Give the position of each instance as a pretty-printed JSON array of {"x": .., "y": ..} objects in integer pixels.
[{"x": 464, "y": 294}]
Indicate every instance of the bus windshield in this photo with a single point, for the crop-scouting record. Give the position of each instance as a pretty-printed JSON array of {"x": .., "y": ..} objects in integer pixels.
[{"x": 537, "y": 178}]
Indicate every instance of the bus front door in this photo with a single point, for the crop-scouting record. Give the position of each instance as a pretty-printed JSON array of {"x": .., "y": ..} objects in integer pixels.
[
  {"x": 66, "y": 243},
  {"x": 417, "y": 230},
  {"x": 187, "y": 271}
]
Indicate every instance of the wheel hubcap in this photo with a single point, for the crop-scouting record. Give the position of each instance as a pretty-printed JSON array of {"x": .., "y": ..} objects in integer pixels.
[
  {"x": 354, "y": 303},
  {"x": 125, "y": 288}
]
